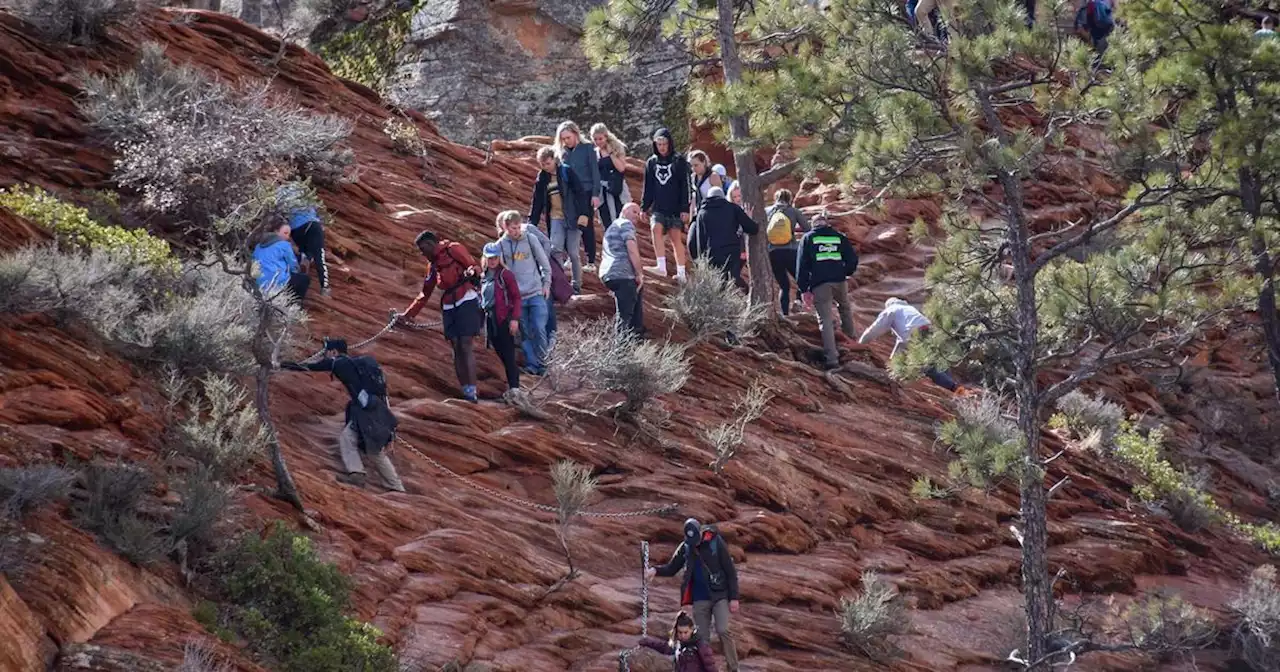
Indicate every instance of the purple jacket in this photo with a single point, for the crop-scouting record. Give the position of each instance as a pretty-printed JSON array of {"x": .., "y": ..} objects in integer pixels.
[{"x": 692, "y": 657}]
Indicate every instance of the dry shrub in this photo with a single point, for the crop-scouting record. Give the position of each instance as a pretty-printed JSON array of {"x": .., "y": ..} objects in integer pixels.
[
  {"x": 80, "y": 22},
  {"x": 223, "y": 431},
  {"x": 24, "y": 489},
  {"x": 870, "y": 619},
  {"x": 601, "y": 356},
  {"x": 404, "y": 137},
  {"x": 1167, "y": 624},
  {"x": 708, "y": 304},
  {"x": 196, "y": 657},
  {"x": 727, "y": 437},
  {"x": 110, "y": 510},
  {"x": 202, "y": 501},
  {"x": 1257, "y": 634},
  {"x": 573, "y": 485},
  {"x": 1092, "y": 418}
]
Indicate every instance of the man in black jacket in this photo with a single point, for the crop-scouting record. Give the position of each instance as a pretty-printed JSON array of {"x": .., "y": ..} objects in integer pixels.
[
  {"x": 710, "y": 582},
  {"x": 369, "y": 424},
  {"x": 825, "y": 261},
  {"x": 717, "y": 234},
  {"x": 666, "y": 196}
]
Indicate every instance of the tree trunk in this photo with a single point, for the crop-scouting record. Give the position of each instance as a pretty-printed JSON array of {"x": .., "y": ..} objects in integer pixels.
[
  {"x": 744, "y": 159},
  {"x": 1263, "y": 266},
  {"x": 286, "y": 489}
]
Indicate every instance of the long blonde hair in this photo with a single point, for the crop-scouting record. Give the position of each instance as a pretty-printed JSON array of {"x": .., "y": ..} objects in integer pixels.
[
  {"x": 616, "y": 147},
  {"x": 565, "y": 126}
]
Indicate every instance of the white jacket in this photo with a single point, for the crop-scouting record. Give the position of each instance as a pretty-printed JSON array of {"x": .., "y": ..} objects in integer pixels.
[{"x": 898, "y": 316}]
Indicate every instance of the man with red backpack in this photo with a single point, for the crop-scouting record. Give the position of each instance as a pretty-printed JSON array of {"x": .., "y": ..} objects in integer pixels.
[
  {"x": 451, "y": 267},
  {"x": 710, "y": 582}
]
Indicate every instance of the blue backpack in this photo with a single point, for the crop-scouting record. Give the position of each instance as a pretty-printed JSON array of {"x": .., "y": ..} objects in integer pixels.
[{"x": 1100, "y": 15}]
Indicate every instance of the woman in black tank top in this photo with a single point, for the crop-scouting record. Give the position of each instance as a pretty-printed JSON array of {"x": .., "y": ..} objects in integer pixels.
[{"x": 612, "y": 155}]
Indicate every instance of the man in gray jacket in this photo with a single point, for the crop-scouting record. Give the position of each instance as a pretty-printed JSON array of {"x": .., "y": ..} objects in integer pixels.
[{"x": 527, "y": 259}]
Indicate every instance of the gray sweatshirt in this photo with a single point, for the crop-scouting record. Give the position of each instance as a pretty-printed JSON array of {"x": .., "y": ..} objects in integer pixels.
[
  {"x": 582, "y": 160},
  {"x": 527, "y": 259}
]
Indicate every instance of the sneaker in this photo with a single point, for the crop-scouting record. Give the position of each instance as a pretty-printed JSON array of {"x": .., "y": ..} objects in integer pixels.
[
  {"x": 326, "y": 292},
  {"x": 469, "y": 393},
  {"x": 589, "y": 268},
  {"x": 355, "y": 478},
  {"x": 656, "y": 270}
]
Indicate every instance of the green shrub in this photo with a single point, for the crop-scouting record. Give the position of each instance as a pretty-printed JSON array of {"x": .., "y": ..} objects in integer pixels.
[
  {"x": 290, "y": 606},
  {"x": 1166, "y": 623},
  {"x": 72, "y": 225},
  {"x": 202, "y": 501},
  {"x": 23, "y": 489},
  {"x": 368, "y": 52},
  {"x": 110, "y": 510},
  {"x": 923, "y": 488},
  {"x": 223, "y": 432},
  {"x": 986, "y": 443}
]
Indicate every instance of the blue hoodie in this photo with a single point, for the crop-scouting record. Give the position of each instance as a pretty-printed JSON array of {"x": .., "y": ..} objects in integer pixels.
[{"x": 275, "y": 262}]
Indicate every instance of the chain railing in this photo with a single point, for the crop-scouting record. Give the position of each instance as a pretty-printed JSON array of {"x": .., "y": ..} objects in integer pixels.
[{"x": 392, "y": 323}]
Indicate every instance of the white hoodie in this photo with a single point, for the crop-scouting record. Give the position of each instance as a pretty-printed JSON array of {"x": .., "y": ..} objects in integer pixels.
[{"x": 898, "y": 316}]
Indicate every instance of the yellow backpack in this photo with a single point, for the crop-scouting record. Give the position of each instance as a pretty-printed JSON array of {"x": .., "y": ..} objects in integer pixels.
[{"x": 780, "y": 230}]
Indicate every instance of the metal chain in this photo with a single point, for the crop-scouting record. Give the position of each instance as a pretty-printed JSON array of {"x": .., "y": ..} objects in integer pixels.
[
  {"x": 515, "y": 501},
  {"x": 391, "y": 324},
  {"x": 623, "y": 664},
  {"x": 644, "y": 589}
]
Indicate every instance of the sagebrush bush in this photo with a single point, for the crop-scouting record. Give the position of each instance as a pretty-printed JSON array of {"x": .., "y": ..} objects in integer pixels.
[
  {"x": 290, "y": 607},
  {"x": 206, "y": 326},
  {"x": 404, "y": 136},
  {"x": 194, "y": 146},
  {"x": 198, "y": 658},
  {"x": 1257, "y": 632},
  {"x": 986, "y": 443},
  {"x": 601, "y": 356},
  {"x": 202, "y": 501},
  {"x": 708, "y": 304},
  {"x": 81, "y": 22},
  {"x": 573, "y": 485},
  {"x": 870, "y": 619},
  {"x": 1084, "y": 415},
  {"x": 223, "y": 431},
  {"x": 24, "y": 489},
  {"x": 727, "y": 437},
  {"x": 109, "y": 509},
  {"x": 102, "y": 287},
  {"x": 1166, "y": 623},
  {"x": 73, "y": 225}
]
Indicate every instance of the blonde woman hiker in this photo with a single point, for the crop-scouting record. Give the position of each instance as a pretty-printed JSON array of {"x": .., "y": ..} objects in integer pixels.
[
  {"x": 558, "y": 199},
  {"x": 581, "y": 159},
  {"x": 611, "y": 156}
]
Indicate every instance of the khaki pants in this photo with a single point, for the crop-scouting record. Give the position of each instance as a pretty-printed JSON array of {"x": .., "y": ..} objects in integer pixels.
[
  {"x": 922, "y": 14},
  {"x": 823, "y": 296},
  {"x": 703, "y": 612},
  {"x": 349, "y": 451}
]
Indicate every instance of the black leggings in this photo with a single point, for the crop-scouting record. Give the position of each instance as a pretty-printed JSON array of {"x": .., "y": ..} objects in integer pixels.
[
  {"x": 589, "y": 235},
  {"x": 783, "y": 262},
  {"x": 503, "y": 343},
  {"x": 310, "y": 240},
  {"x": 298, "y": 284}
]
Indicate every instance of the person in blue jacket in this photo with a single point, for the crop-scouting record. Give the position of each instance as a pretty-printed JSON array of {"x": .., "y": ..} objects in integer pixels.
[
  {"x": 307, "y": 232},
  {"x": 278, "y": 265}
]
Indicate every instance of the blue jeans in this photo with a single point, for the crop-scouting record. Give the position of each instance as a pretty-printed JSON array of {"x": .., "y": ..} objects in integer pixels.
[{"x": 533, "y": 324}]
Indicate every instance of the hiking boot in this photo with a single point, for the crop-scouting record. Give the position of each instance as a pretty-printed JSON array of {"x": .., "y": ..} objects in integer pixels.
[
  {"x": 828, "y": 366},
  {"x": 356, "y": 478}
]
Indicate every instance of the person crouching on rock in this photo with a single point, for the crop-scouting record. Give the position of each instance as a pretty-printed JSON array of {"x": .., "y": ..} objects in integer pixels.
[
  {"x": 689, "y": 651},
  {"x": 710, "y": 582},
  {"x": 369, "y": 425},
  {"x": 904, "y": 320},
  {"x": 452, "y": 267},
  {"x": 278, "y": 266}
]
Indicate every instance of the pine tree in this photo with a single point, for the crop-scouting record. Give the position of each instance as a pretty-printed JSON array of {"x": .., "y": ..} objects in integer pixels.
[{"x": 1214, "y": 94}]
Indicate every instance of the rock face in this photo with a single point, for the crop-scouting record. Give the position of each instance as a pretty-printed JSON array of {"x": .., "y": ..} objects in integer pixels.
[
  {"x": 486, "y": 69},
  {"x": 817, "y": 497}
]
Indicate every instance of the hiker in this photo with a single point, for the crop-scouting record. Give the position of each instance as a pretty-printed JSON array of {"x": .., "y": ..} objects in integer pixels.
[
  {"x": 825, "y": 260},
  {"x": 557, "y": 197},
  {"x": 932, "y": 13},
  {"x": 717, "y": 234},
  {"x": 689, "y": 650},
  {"x": 666, "y": 196},
  {"x": 1096, "y": 18},
  {"x": 278, "y": 265},
  {"x": 558, "y": 277},
  {"x": 369, "y": 425},
  {"x": 733, "y": 194},
  {"x": 702, "y": 177},
  {"x": 526, "y": 257},
  {"x": 611, "y": 156},
  {"x": 500, "y": 296},
  {"x": 784, "y": 222},
  {"x": 621, "y": 269},
  {"x": 582, "y": 161},
  {"x": 307, "y": 232},
  {"x": 903, "y": 320},
  {"x": 1267, "y": 29},
  {"x": 710, "y": 582},
  {"x": 452, "y": 268},
  {"x": 722, "y": 176}
]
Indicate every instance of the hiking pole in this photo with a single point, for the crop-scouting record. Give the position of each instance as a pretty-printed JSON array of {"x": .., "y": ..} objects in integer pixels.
[{"x": 644, "y": 589}]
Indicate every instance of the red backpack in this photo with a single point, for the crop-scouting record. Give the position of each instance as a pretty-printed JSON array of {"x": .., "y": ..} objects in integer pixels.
[{"x": 561, "y": 287}]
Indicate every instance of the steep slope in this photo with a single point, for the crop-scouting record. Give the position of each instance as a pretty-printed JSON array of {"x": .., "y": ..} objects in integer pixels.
[{"x": 818, "y": 496}]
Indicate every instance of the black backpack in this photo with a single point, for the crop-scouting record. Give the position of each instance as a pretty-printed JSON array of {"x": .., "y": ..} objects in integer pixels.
[{"x": 371, "y": 378}]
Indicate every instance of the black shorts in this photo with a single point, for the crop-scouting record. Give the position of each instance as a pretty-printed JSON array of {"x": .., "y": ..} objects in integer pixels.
[
  {"x": 668, "y": 222},
  {"x": 465, "y": 320}
]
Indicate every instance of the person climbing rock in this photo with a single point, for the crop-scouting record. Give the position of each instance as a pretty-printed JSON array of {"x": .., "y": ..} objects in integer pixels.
[
  {"x": 557, "y": 197},
  {"x": 523, "y": 254},
  {"x": 307, "y": 232},
  {"x": 666, "y": 201},
  {"x": 689, "y": 650},
  {"x": 784, "y": 222},
  {"x": 278, "y": 265},
  {"x": 500, "y": 296},
  {"x": 611, "y": 155},
  {"x": 717, "y": 234},
  {"x": 825, "y": 261},
  {"x": 621, "y": 269},
  {"x": 452, "y": 267},
  {"x": 582, "y": 162},
  {"x": 903, "y": 320},
  {"x": 710, "y": 583},
  {"x": 369, "y": 425}
]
